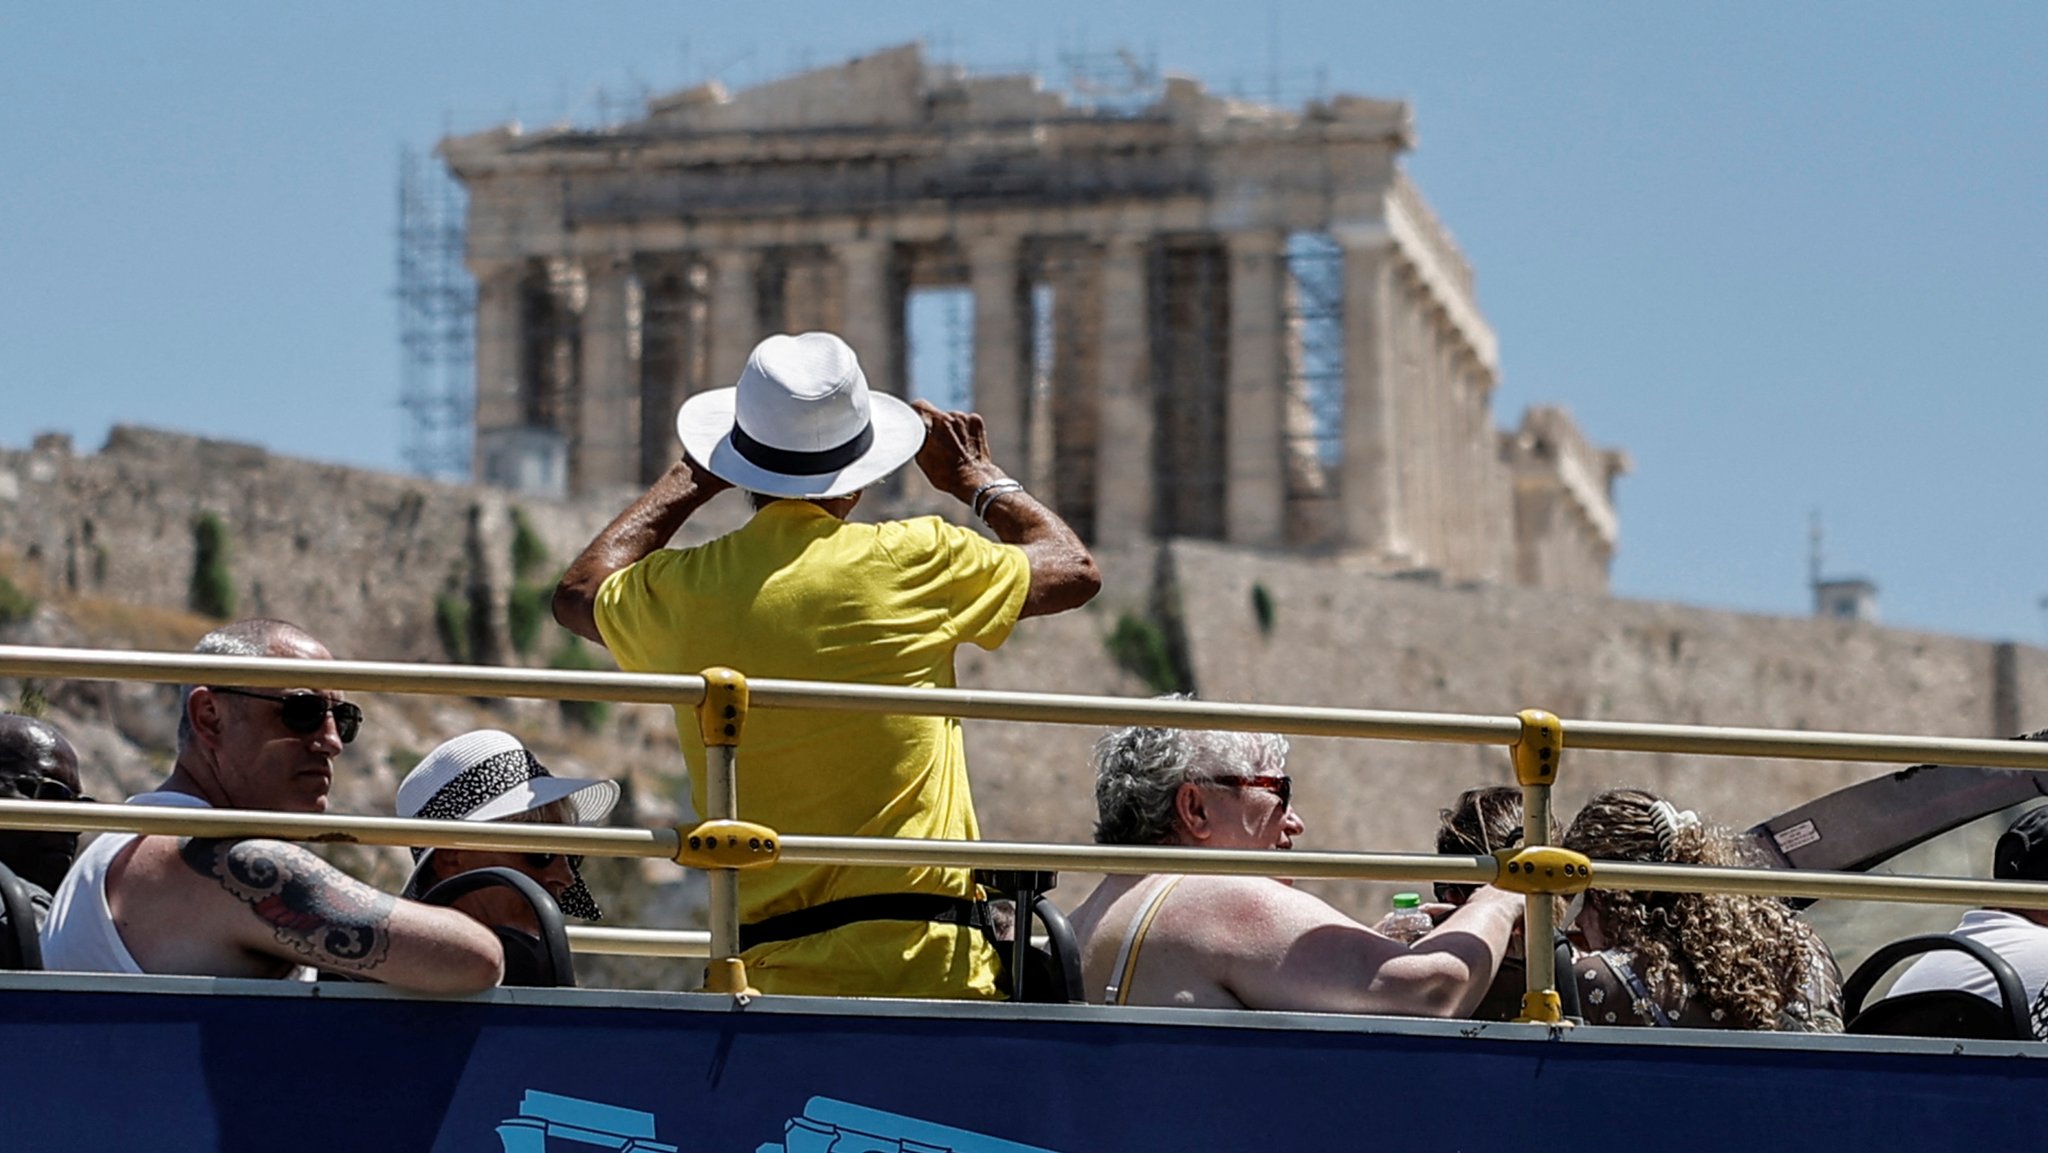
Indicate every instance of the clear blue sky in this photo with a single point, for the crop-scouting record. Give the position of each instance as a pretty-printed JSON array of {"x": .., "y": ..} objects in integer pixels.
[{"x": 1789, "y": 256}]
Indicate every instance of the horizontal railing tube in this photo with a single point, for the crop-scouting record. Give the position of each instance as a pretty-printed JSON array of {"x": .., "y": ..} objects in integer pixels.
[
  {"x": 1707, "y": 740},
  {"x": 1798, "y": 883},
  {"x": 1107, "y": 712},
  {"x": 487, "y": 836},
  {"x": 639, "y": 942},
  {"x": 902, "y": 852},
  {"x": 350, "y": 676},
  {"x": 1052, "y": 708},
  {"x": 1299, "y": 864}
]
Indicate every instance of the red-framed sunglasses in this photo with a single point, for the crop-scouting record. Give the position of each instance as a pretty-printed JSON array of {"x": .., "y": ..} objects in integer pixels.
[{"x": 1279, "y": 786}]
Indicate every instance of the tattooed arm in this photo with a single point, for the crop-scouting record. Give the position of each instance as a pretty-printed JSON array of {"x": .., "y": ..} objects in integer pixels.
[{"x": 308, "y": 912}]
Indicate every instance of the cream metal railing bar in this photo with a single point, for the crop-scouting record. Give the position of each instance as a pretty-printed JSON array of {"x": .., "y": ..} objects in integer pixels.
[
  {"x": 640, "y": 942},
  {"x": 326, "y": 828},
  {"x": 1052, "y": 708},
  {"x": 901, "y": 852}
]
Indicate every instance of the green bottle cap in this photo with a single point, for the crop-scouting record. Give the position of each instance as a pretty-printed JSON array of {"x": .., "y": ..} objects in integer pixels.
[{"x": 1407, "y": 900}]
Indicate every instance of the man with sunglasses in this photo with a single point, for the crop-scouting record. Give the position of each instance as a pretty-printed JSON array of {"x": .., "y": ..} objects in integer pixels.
[
  {"x": 37, "y": 764},
  {"x": 1207, "y": 941},
  {"x": 227, "y": 907}
]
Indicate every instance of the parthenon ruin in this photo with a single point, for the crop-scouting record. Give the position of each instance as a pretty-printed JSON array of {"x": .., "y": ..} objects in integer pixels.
[{"x": 1196, "y": 316}]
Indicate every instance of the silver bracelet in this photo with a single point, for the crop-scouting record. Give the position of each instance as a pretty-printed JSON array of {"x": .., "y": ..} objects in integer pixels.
[
  {"x": 985, "y": 497},
  {"x": 974, "y": 502}
]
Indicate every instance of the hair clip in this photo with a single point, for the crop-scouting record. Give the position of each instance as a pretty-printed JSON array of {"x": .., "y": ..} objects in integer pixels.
[{"x": 1668, "y": 821}]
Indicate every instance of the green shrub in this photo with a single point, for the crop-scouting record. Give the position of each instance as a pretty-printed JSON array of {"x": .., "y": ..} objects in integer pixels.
[
  {"x": 1262, "y": 609},
  {"x": 591, "y": 716},
  {"x": 32, "y": 702},
  {"x": 1139, "y": 647},
  {"x": 527, "y": 607},
  {"x": 15, "y": 605},
  {"x": 451, "y": 624},
  {"x": 529, "y": 555},
  {"x": 212, "y": 592}
]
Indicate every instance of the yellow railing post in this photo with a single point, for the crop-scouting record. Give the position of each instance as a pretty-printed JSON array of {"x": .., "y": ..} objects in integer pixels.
[
  {"x": 1536, "y": 756},
  {"x": 720, "y": 718}
]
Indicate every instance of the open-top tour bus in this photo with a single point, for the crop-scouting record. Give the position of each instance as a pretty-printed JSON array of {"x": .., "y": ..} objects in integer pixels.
[{"x": 177, "y": 1063}]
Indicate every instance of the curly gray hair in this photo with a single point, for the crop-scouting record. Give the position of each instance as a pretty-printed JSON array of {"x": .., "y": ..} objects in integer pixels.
[{"x": 1138, "y": 772}]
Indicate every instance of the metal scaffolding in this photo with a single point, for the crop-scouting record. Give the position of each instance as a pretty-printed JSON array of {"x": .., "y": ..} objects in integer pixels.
[{"x": 436, "y": 320}]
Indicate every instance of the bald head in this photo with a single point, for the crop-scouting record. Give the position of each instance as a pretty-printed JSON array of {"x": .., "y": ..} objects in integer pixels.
[
  {"x": 255, "y": 637},
  {"x": 30, "y": 748},
  {"x": 32, "y": 753}
]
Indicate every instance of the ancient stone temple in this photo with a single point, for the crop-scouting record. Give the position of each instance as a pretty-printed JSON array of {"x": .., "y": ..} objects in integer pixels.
[{"x": 1191, "y": 315}]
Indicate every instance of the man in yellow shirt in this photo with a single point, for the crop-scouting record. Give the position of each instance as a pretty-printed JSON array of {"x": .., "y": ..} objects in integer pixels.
[{"x": 800, "y": 592}]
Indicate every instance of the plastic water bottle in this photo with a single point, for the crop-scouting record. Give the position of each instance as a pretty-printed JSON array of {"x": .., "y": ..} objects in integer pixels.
[{"x": 1407, "y": 923}]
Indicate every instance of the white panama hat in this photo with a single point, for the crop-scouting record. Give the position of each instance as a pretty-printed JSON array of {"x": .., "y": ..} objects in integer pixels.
[
  {"x": 488, "y": 775},
  {"x": 800, "y": 423}
]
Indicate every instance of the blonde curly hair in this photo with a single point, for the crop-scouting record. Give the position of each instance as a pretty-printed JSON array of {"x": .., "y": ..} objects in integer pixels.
[{"x": 1745, "y": 955}]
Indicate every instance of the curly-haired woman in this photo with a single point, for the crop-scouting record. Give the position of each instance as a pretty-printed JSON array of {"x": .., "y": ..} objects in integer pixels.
[{"x": 1695, "y": 960}]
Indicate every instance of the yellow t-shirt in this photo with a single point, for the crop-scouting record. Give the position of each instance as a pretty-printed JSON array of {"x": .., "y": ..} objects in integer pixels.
[{"x": 799, "y": 593}]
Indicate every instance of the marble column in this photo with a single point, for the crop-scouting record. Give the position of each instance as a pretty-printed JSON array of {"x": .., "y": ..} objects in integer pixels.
[
  {"x": 1369, "y": 491},
  {"x": 735, "y": 313},
  {"x": 498, "y": 342},
  {"x": 1124, "y": 491},
  {"x": 866, "y": 310},
  {"x": 608, "y": 401},
  {"x": 1001, "y": 356},
  {"x": 1255, "y": 483}
]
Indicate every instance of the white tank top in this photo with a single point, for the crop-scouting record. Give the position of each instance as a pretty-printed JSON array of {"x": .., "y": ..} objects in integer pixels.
[{"x": 79, "y": 936}]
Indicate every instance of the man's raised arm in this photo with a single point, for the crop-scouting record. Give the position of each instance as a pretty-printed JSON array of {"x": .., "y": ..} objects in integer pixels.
[
  {"x": 646, "y": 525},
  {"x": 303, "y": 910},
  {"x": 955, "y": 458}
]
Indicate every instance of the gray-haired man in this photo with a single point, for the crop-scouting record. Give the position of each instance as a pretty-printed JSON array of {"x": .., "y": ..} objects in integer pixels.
[{"x": 1252, "y": 942}]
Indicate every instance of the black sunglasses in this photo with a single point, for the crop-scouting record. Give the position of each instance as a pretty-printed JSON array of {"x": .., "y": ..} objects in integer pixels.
[
  {"x": 304, "y": 713},
  {"x": 543, "y": 860},
  {"x": 36, "y": 787}
]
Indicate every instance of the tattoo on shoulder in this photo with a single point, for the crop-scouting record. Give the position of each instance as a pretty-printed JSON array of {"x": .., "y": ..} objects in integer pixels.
[{"x": 326, "y": 917}]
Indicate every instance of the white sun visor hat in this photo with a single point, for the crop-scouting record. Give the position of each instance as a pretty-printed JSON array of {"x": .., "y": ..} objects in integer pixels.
[
  {"x": 800, "y": 423},
  {"x": 488, "y": 775}
]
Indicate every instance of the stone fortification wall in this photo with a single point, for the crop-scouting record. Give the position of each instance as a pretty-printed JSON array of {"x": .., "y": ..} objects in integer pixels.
[{"x": 356, "y": 556}]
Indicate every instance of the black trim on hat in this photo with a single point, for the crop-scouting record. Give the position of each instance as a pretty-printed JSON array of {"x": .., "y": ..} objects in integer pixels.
[{"x": 790, "y": 463}]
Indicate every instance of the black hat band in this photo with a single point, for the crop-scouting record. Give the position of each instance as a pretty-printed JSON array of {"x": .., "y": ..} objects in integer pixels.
[{"x": 791, "y": 463}]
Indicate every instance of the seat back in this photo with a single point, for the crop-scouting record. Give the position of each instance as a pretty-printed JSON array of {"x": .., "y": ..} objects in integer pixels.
[
  {"x": 1938, "y": 1012},
  {"x": 544, "y": 962},
  {"x": 20, "y": 947}
]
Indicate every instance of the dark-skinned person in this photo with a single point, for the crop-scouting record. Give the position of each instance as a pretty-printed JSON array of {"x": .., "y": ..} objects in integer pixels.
[
  {"x": 802, "y": 591},
  {"x": 37, "y": 764}
]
